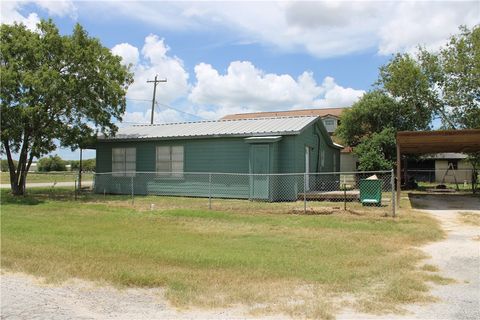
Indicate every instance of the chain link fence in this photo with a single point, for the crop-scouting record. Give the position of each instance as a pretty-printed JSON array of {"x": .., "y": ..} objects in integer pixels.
[{"x": 297, "y": 193}]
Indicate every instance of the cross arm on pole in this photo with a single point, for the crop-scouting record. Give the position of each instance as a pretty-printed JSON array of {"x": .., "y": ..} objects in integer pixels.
[{"x": 155, "y": 82}]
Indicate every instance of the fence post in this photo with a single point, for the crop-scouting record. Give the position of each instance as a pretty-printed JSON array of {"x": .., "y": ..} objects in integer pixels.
[
  {"x": 210, "y": 191},
  {"x": 75, "y": 189},
  {"x": 305, "y": 193},
  {"x": 392, "y": 185},
  {"x": 131, "y": 179}
]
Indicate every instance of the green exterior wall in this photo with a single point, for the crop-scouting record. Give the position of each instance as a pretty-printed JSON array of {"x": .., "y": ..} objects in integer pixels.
[{"x": 220, "y": 155}]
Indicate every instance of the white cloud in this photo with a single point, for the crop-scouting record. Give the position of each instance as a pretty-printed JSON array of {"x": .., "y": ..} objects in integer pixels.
[
  {"x": 10, "y": 11},
  {"x": 425, "y": 23},
  {"x": 246, "y": 88},
  {"x": 154, "y": 60},
  {"x": 323, "y": 29},
  {"x": 128, "y": 53}
]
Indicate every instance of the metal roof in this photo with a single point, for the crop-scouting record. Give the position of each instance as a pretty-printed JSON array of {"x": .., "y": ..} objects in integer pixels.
[
  {"x": 219, "y": 128},
  {"x": 424, "y": 142},
  {"x": 325, "y": 112}
]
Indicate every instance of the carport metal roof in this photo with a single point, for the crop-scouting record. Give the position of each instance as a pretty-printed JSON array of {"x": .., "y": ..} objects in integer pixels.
[
  {"x": 421, "y": 142},
  {"x": 424, "y": 142}
]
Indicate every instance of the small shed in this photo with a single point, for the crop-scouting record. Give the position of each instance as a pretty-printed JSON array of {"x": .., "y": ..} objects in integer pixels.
[{"x": 175, "y": 158}]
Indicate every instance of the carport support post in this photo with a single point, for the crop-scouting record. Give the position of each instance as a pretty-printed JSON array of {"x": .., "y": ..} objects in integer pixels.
[
  {"x": 392, "y": 185},
  {"x": 210, "y": 191}
]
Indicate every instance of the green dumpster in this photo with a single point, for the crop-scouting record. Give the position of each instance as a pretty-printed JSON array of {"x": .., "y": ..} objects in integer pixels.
[{"x": 371, "y": 191}]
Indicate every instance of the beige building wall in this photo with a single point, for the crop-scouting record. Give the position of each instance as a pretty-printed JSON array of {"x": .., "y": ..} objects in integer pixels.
[
  {"x": 463, "y": 173},
  {"x": 348, "y": 162}
]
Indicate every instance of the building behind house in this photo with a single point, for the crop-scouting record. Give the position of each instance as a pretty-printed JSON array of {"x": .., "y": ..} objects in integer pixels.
[{"x": 441, "y": 167}]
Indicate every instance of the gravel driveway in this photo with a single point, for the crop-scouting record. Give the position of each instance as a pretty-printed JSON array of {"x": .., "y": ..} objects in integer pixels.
[{"x": 457, "y": 257}]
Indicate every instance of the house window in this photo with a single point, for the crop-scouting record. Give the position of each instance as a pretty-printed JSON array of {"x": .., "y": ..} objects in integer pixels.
[
  {"x": 123, "y": 162},
  {"x": 328, "y": 122},
  {"x": 170, "y": 161}
]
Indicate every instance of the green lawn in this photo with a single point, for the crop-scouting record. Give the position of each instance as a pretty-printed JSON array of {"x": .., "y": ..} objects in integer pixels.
[
  {"x": 32, "y": 177},
  {"x": 301, "y": 265}
]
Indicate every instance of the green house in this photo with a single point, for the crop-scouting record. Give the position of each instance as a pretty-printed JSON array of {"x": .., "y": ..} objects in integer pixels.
[{"x": 215, "y": 158}]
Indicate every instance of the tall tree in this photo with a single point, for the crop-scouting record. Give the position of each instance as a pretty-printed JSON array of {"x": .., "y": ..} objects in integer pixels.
[
  {"x": 454, "y": 74},
  {"x": 410, "y": 92},
  {"x": 372, "y": 122},
  {"x": 55, "y": 88}
]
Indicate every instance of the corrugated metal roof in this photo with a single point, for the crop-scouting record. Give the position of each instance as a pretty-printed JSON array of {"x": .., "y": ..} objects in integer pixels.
[
  {"x": 219, "y": 128},
  {"x": 325, "y": 112}
]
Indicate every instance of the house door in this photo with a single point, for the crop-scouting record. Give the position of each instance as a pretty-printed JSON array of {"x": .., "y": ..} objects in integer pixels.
[
  {"x": 307, "y": 168},
  {"x": 259, "y": 165}
]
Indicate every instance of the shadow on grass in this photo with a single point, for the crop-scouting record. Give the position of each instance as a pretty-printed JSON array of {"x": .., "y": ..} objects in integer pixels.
[
  {"x": 35, "y": 196},
  {"x": 8, "y": 198},
  {"x": 444, "y": 201}
]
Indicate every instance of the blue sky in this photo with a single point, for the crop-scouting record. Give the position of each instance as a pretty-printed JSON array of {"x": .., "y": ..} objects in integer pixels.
[{"x": 229, "y": 57}]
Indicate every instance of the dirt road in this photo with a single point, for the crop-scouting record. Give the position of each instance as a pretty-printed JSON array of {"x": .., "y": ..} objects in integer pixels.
[
  {"x": 50, "y": 184},
  {"x": 27, "y": 297}
]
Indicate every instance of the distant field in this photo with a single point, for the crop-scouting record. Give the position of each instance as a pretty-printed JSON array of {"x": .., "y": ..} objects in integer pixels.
[
  {"x": 242, "y": 253},
  {"x": 63, "y": 176}
]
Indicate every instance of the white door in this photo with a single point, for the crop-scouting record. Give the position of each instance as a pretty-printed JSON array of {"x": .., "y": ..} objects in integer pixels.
[{"x": 307, "y": 168}]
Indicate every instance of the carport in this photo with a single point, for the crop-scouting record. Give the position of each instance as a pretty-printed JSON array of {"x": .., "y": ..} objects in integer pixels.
[{"x": 427, "y": 142}]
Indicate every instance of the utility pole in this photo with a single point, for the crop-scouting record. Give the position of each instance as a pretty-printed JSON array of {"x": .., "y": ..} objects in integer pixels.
[{"x": 155, "y": 82}]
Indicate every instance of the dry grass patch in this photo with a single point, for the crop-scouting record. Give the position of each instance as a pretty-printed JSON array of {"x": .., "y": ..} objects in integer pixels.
[
  {"x": 301, "y": 265},
  {"x": 430, "y": 268}
]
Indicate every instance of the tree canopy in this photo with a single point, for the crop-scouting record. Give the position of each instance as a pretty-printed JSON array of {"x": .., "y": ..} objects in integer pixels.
[
  {"x": 55, "y": 87},
  {"x": 412, "y": 91},
  {"x": 454, "y": 74}
]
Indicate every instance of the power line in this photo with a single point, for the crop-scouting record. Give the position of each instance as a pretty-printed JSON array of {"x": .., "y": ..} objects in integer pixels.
[
  {"x": 178, "y": 110},
  {"x": 166, "y": 106},
  {"x": 135, "y": 99}
]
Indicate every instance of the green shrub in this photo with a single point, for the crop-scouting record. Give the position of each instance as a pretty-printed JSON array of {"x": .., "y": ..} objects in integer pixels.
[
  {"x": 51, "y": 163},
  {"x": 87, "y": 164},
  {"x": 4, "y": 165}
]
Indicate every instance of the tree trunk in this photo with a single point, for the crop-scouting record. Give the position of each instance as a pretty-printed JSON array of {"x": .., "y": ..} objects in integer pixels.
[{"x": 17, "y": 175}]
